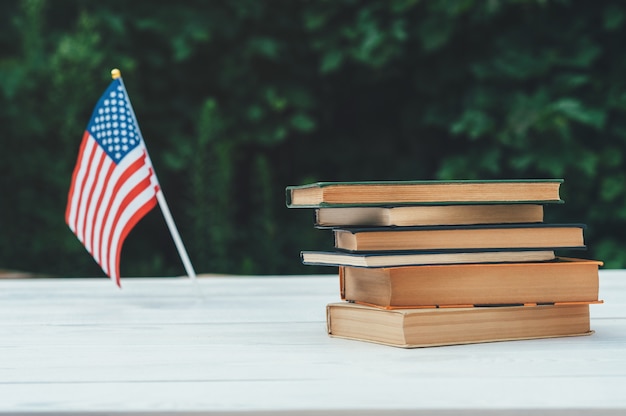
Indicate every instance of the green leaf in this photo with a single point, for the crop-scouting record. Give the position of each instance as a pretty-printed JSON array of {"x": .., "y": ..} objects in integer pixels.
[
  {"x": 474, "y": 123},
  {"x": 276, "y": 101},
  {"x": 614, "y": 17},
  {"x": 573, "y": 109},
  {"x": 331, "y": 61},
  {"x": 303, "y": 123},
  {"x": 612, "y": 187}
]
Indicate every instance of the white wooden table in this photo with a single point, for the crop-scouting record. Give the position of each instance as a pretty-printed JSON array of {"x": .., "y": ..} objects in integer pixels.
[{"x": 259, "y": 345}]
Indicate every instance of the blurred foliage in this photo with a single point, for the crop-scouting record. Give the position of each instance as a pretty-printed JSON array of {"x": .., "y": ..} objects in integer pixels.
[{"x": 239, "y": 99}]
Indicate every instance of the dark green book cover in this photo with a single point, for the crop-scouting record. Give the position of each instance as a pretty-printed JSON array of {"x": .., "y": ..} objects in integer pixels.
[{"x": 397, "y": 193}]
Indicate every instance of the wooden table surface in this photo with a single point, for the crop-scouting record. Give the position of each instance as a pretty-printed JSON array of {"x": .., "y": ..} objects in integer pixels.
[{"x": 240, "y": 345}]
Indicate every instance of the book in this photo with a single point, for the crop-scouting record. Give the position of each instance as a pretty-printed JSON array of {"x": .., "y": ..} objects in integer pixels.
[
  {"x": 410, "y": 328},
  {"x": 392, "y": 193},
  {"x": 428, "y": 215},
  {"x": 391, "y": 259},
  {"x": 562, "y": 280},
  {"x": 507, "y": 236}
]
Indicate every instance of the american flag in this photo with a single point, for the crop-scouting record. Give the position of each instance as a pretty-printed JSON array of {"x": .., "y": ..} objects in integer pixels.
[{"x": 113, "y": 184}]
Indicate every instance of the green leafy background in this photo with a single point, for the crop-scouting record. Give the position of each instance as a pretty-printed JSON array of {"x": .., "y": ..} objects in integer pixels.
[{"x": 239, "y": 99}]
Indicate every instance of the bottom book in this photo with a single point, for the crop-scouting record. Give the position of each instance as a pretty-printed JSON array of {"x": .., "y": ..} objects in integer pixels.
[{"x": 412, "y": 328}]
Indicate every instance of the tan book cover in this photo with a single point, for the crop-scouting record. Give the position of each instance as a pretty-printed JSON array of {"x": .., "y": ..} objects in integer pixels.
[
  {"x": 386, "y": 193},
  {"x": 500, "y": 236},
  {"x": 411, "y": 328},
  {"x": 428, "y": 215},
  {"x": 562, "y": 280}
]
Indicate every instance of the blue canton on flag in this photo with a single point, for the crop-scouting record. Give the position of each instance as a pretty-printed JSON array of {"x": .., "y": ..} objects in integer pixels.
[
  {"x": 112, "y": 123},
  {"x": 113, "y": 184}
]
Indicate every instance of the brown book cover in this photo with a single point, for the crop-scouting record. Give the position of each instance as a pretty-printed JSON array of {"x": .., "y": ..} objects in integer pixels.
[
  {"x": 411, "y": 328},
  {"x": 423, "y": 215},
  {"x": 392, "y": 193},
  {"x": 500, "y": 236},
  {"x": 562, "y": 280}
]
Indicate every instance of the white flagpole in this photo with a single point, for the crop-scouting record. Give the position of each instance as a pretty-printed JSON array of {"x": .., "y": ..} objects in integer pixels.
[
  {"x": 115, "y": 74},
  {"x": 175, "y": 236}
]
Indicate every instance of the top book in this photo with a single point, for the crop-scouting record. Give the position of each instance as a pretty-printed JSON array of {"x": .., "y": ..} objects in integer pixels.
[{"x": 394, "y": 193}]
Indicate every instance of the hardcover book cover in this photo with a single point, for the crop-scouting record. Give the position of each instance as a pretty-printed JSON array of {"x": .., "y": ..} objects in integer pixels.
[
  {"x": 462, "y": 237},
  {"x": 394, "y": 193},
  {"x": 558, "y": 281},
  {"x": 412, "y": 328},
  {"x": 396, "y": 259}
]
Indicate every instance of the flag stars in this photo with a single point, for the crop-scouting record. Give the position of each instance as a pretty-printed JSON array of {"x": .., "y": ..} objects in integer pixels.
[{"x": 111, "y": 124}]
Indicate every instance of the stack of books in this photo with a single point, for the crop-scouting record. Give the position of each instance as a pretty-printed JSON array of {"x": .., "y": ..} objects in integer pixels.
[{"x": 428, "y": 263}]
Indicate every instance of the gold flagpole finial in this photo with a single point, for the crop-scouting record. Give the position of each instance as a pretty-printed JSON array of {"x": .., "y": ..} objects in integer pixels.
[{"x": 115, "y": 73}]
